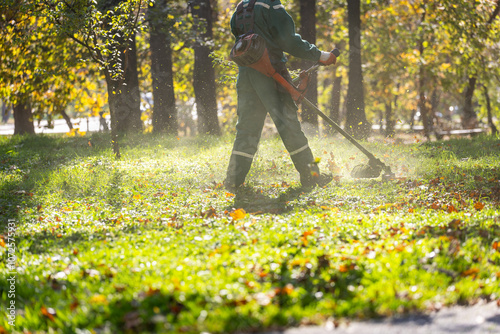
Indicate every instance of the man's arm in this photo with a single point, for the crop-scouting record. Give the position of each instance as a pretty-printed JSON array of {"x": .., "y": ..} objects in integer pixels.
[{"x": 282, "y": 29}]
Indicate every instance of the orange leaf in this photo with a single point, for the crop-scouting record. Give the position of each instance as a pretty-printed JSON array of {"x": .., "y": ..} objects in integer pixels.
[
  {"x": 478, "y": 206},
  {"x": 238, "y": 214},
  {"x": 343, "y": 268},
  {"x": 49, "y": 313},
  {"x": 470, "y": 272},
  {"x": 74, "y": 305},
  {"x": 307, "y": 233}
]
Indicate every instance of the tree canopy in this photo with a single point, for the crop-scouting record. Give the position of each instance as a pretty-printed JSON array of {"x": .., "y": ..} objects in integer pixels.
[{"x": 428, "y": 61}]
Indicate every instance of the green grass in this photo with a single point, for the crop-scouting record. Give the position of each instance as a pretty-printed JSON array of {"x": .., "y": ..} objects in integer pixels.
[{"x": 153, "y": 243}]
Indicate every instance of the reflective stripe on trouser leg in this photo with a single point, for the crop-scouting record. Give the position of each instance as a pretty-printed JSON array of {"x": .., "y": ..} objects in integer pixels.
[
  {"x": 287, "y": 123},
  {"x": 251, "y": 117}
]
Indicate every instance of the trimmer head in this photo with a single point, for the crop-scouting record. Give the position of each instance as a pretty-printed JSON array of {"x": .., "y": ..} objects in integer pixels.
[
  {"x": 388, "y": 176},
  {"x": 366, "y": 171},
  {"x": 373, "y": 170}
]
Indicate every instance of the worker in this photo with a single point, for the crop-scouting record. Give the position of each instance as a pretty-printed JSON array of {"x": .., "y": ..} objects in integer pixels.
[{"x": 259, "y": 94}]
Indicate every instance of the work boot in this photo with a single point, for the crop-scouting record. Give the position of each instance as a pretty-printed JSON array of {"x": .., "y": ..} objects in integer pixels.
[
  {"x": 231, "y": 186},
  {"x": 311, "y": 177},
  {"x": 315, "y": 179},
  {"x": 236, "y": 172}
]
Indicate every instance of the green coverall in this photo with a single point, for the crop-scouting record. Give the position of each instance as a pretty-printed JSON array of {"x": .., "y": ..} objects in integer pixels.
[{"x": 259, "y": 94}]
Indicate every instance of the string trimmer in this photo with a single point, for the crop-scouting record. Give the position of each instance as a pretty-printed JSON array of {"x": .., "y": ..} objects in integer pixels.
[{"x": 251, "y": 51}]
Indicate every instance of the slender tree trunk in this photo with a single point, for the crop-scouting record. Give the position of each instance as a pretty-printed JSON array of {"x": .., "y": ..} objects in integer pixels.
[
  {"x": 204, "y": 75},
  {"x": 308, "y": 32},
  {"x": 5, "y": 112},
  {"x": 412, "y": 119},
  {"x": 23, "y": 119},
  {"x": 356, "y": 118},
  {"x": 435, "y": 121},
  {"x": 469, "y": 119},
  {"x": 422, "y": 105},
  {"x": 422, "y": 100},
  {"x": 164, "y": 110},
  {"x": 335, "y": 100},
  {"x": 129, "y": 110},
  {"x": 494, "y": 130},
  {"x": 389, "y": 120},
  {"x": 66, "y": 118},
  {"x": 113, "y": 105}
]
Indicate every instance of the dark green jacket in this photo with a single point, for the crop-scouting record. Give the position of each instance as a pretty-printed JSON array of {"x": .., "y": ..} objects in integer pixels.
[{"x": 276, "y": 26}]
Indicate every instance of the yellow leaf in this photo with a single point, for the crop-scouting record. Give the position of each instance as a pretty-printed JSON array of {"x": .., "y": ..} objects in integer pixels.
[
  {"x": 99, "y": 299},
  {"x": 238, "y": 214}
]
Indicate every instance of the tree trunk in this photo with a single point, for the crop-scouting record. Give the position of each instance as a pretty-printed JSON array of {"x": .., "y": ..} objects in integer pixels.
[
  {"x": 124, "y": 97},
  {"x": 389, "y": 120},
  {"x": 23, "y": 119},
  {"x": 469, "y": 119},
  {"x": 113, "y": 105},
  {"x": 129, "y": 110},
  {"x": 422, "y": 100},
  {"x": 335, "y": 100},
  {"x": 494, "y": 130},
  {"x": 66, "y": 118},
  {"x": 5, "y": 112},
  {"x": 164, "y": 111},
  {"x": 435, "y": 121},
  {"x": 422, "y": 105},
  {"x": 308, "y": 32},
  {"x": 204, "y": 75},
  {"x": 356, "y": 119}
]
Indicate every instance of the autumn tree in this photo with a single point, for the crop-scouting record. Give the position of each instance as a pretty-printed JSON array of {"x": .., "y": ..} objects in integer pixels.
[
  {"x": 31, "y": 76},
  {"x": 106, "y": 30},
  {"x": 356, "y": 121},
  {"x": 308, "y": 33},
  {"x": 161, "y": 22},
  {"x": 204, "y": 74}
]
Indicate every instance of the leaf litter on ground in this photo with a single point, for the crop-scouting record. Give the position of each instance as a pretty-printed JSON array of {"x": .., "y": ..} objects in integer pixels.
[{"x": 153, "y": 243}]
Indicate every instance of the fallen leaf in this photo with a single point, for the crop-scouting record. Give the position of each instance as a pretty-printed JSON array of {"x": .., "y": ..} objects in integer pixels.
[
  {"x": 479, "y": 206},
  {"x": 74, "y": 305},
  {"x": 470, "y": 272},
  {"x": 238, "y": 214},
  {"x": 99, "y": 299},
  {"x": 210, "y": 213},
  {"x": 49, "y": 313}
]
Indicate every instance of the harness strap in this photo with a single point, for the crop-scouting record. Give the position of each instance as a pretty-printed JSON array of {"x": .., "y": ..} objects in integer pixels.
[{"x": 244, "y": 17}]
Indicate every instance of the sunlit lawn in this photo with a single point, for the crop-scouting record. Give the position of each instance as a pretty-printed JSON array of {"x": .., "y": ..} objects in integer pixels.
[{"x": 153, "y": 243}]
